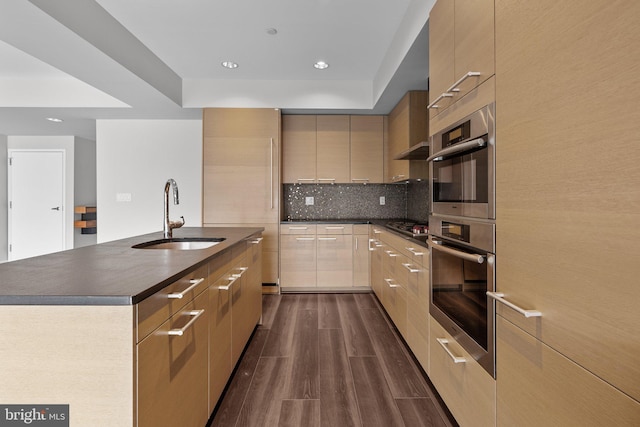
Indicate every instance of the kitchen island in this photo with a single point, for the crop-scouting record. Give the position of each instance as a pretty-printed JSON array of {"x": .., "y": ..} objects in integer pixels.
[{"x": 124, "y": 336}]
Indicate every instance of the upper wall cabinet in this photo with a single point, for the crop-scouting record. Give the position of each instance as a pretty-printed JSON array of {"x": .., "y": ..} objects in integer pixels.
[
  {"x": 367, "y": 149},
  {"x": 408, "y": 126},
  {"x": 461, "y": 49},
  {"x": 332, "y": 149}
]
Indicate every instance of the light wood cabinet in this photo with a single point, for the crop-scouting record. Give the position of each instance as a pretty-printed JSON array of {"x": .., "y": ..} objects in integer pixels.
[
  {"x": 332, "y": 149},
  {"x": 467, "y": 389},
  {"x": 567, "y": 234},
  {"x": 539, "y": 386},
  {"x": 367, "y": 149},
  {"x": 461, "y": 41},
  {"x": 361, "y": 255},
  {"x": 418, "y": 304},
  {"x": 241, "y": 174},
  {"x": 408, "y": 126},
  {"x": 298, "y": 256},
  {"x": 376, "y": 247},
  {"x": 299, "y": 133},
  {"x": 172, "y": 385}
]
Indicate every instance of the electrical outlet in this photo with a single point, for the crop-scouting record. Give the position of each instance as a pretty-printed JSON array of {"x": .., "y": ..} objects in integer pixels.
[
  {"x": 309, "y": 201},
  {"x": 382, "y": 200}
]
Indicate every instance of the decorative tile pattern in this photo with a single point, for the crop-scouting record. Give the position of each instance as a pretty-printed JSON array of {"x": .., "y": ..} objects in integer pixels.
[{"x": 355, "y": 201}]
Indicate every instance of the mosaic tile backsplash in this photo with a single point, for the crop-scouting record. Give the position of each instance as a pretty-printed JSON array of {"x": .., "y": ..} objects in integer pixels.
[{"x": 356, "y": 201}]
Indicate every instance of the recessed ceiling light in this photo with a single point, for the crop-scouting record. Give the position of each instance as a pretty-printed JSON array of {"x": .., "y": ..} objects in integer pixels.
[
  {"x": 55, "y": 119},
  {"x": 321, "y": 65},
  {"x": 229, "y": 64}
]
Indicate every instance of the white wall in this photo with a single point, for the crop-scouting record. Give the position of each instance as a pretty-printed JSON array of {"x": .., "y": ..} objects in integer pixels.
[
  {"x": 65, "y": 143},
  {"x": 85, "y": 184},
  {"x": 137, "y": 157},
  {"x": 3, "y": 199}
]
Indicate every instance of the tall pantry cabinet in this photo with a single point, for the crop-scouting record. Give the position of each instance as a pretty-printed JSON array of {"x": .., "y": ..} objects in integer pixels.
[
  {"x": 567, "y": 214},
  {"x": 241, "y": 175}
]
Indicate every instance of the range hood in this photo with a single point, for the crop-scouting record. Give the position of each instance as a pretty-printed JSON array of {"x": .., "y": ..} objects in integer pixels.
[{"x": 419, "y": 151}]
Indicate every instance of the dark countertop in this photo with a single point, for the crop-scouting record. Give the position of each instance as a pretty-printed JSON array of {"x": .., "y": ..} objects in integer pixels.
[{"x": 110, "y": 273}]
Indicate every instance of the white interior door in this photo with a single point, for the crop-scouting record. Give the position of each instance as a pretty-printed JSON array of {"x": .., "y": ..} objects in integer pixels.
[{"x": 36, "y": 203}]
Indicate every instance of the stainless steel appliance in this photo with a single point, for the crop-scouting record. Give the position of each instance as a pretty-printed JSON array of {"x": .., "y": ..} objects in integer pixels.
[
  {"x": 462, "y": 272},
  {"x": 410, "y": 229},
  {"x": 461, "y": 172}
]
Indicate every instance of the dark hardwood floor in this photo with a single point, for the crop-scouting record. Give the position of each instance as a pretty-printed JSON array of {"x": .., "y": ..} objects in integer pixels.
[{"x": 328, "y": 360}]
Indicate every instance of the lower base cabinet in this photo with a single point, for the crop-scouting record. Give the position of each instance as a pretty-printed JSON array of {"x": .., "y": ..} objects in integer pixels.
[
  {"x": 538, "y": 386},
  {"x": 467, "y": 389},
  {"x": 172, "y": 389}
]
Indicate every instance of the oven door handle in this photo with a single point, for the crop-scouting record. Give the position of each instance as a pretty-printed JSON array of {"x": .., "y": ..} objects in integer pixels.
[
  {"x": 437, "y": 245},
  {"x": 457, "y": 148}
]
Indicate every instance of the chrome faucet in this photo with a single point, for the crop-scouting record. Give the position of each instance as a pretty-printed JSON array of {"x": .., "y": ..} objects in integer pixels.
[{"x": 168, "y": 224}]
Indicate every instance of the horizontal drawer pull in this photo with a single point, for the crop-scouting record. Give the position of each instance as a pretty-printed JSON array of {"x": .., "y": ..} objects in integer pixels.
[
  {"x": 331, "y": 180},
  {"x": 454, "y": 87},
  {"x": 256, "y": 241},
  {"x": 242, "y": 270},
  {"x": 327, "y": 238},
  {"x": 391, "y": 284},
  {"x": 231, "y": 280},
  {"x": 411, "y": 269},
  {"x": 363, "y": 180},
  {"x": 180, "y": 295},
  {"x": 306, "y": 179},
  {"x": 413, "y": 251},
  {"x": 298, "y": 227},
  {"x": 499, "y": 296},
  {"x": 305, "y": 239},
  {"x": 181, "y": 331},
  {"x": 391, "y": 254},
  {"x": 434, "y": 104},
  {"x": 334, "y": 227},
  {"x": 445, "y": 344}
]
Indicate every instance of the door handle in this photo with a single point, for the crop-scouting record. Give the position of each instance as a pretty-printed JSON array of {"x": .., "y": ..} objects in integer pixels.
[{"x": 57, "y": 208}]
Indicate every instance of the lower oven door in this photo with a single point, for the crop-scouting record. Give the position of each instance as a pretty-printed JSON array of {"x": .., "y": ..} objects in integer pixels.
[{"x": 460, "y": 278}]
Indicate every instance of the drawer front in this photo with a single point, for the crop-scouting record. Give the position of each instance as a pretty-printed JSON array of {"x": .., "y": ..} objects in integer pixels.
[
  {"x": 172, "y": 370},
  {"x": 297, "y": 228},
  {"x": 334, "y": 229},
  {"x": 467, "y": 389},
  {"x": 360, "y": 228},
  {"x": 538, "y": 386},
  {"x": 153, "y": 311}
]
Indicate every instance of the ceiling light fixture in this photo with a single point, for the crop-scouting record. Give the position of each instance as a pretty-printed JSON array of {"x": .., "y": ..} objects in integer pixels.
[
  {"x": 55, "y": 119},
  {"x": 271, "y": 31},
  {"x": 321, "y": 65},
  {"x": 229, "y": 64}
]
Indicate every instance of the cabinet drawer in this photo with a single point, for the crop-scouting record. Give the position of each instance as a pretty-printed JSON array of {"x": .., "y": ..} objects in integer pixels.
[
  {"x": 172, "y": 380},
  {"x": 360, "y": 228},
  {"x": 334, "y": 228},
  {"x": 538, "y": 386},
  {"x": 297, "y": 228},
  {"x": 154, "y": 310},
  {"x": 467, "y": 389}
]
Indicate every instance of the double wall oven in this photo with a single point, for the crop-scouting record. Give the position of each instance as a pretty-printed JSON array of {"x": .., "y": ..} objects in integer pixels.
[{"x": 462, "y": 233}]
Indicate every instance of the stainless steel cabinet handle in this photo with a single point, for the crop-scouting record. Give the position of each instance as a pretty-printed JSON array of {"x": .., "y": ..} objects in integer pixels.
[
  {"x": 305, "y": 238},
  {"x": 242, "y": 270},
  {"x": 445, "y": 344},
  {"x": 256, "y": 241},
  {"x": 298, "y": 228},
  {"x": 271, "y": 172},
  {"x": 57, "y": 208},
  {"x": 327, "y": 238},
  {"x": 391, "y": 285},
  {"x": 454, "y": 87},
  {"x": 331, "y": 180},
  {"x": 363, "y": 180},
  {"x": 180, "y": 295},
  {"x": 457, "y": 148},
  {"x": 231, "y": 280},
  {"x": 413, "y": 251},
  {"x": 397, "y": 177},
  {"x": 334, "y": 227},
  {"x": 391, "y": 254},
  {"x": 181, "y": 331},
  {"x": 433, "y": 244},
  {"x": 411, "y": 269},
  {"x": 499, "y": 296},
  {"x": 301, "y": 180},
  {"x": 434, "y": 104}
]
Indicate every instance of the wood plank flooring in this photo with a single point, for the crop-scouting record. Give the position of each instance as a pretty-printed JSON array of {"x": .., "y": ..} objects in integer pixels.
[{"x": 328, "y": 360}]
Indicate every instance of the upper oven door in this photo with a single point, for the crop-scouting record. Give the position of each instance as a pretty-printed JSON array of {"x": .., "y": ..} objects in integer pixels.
[{"x": 462, "y": 168}]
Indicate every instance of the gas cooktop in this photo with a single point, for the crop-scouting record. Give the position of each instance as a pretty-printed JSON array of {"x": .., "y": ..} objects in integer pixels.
[{"x": 409, "y": 228}]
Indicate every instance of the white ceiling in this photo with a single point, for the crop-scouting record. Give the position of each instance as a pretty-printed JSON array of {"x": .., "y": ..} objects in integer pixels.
[{"x": 82, "y": 60}]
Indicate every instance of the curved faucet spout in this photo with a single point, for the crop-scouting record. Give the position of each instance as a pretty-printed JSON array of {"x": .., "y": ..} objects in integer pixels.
[{"x": 168, "y": 224}]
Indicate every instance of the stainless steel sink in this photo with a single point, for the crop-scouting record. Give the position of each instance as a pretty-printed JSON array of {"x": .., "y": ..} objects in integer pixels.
[{"x": 183, "y": 243}]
